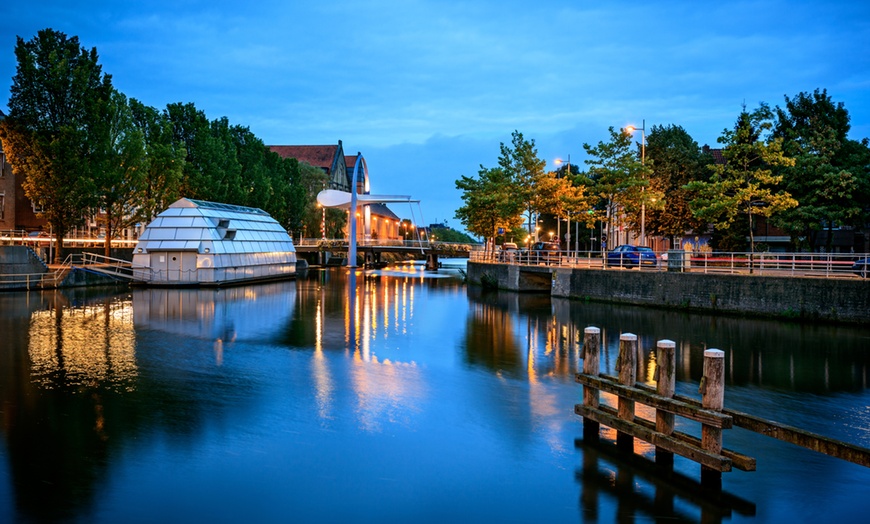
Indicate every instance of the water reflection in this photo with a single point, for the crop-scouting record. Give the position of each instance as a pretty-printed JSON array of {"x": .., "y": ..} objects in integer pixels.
[
  {"x": 83, "y": 343},
  {"x": 399, "y": 389},
  {"x": 512, "y": 329}
]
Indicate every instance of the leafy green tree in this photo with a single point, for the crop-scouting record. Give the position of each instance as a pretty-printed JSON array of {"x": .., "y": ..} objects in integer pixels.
[
  {"x": 255, "y": 180},
  {"x": 164, "y": 161},
  {"x": 451, "y": 235},
  {"x": 205, "y": 155},
  {"x": 825, "y": 179},
  {"x": 223, "y": 166},
  {"x": 746, "y": 182},
  {"x": 619, "y": 178},
  {"x": 117, "y": 155},
  {"x": 490, "y": 202},
  {"x": 56, "y": 88},
  {"x": 303, "y": 211},
  {"x": 524, "y": 171},
  {"x": 676, "y": 160}
]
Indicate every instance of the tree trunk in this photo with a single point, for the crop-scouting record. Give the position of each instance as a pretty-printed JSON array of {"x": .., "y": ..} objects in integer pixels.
[{"x": 107, "y": 242}]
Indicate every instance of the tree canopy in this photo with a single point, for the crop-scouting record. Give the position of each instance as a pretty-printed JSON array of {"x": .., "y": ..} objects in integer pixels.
[
  {"x": 746, "y": 183},
  {"x": 57, "y": 94}
]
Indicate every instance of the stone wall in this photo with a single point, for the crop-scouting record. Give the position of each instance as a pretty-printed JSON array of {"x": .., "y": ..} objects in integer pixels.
[
  {"x": 20, "y": 260},
  {"x": 835, "y": 300}
]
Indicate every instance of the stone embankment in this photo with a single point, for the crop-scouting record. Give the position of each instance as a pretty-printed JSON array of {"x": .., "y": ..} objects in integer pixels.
[{"x": 825, "y": 300}]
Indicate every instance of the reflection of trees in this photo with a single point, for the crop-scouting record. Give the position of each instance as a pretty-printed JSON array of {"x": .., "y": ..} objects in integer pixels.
[
  {"x": 75, "y": 390},
  {"x": 783, "y": 355},
  {"x": 521, "y": 334},
  {"x": 769, "y": 353}
]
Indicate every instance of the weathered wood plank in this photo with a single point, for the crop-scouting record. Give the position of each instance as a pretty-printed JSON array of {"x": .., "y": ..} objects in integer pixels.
[
  {"x": 738, "y": 460},
  {"x": 831, "y": 447},
  {"x": 799, "y": 437},
  {"x": 711, "y": 460},
  {"x": 647, "y": 395}
]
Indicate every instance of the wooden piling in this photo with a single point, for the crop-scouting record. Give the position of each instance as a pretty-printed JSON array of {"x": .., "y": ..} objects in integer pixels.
[
  {"x": 591, "y": 366},
  {"x": 627, "y": 370},
  {"x": 665, "y": 377},
  {"x": 712, "y": 391}
]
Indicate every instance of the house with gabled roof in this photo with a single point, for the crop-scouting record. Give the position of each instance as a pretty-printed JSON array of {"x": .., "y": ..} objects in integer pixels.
[{"x": 375, "y": 221}]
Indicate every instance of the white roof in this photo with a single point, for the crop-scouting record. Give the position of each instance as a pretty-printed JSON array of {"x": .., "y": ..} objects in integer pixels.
[{"x": 194, "y": 225}]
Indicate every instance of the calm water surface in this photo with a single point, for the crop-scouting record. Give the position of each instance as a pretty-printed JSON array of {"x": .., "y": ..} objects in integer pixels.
[{"x": 414, "y": 399}]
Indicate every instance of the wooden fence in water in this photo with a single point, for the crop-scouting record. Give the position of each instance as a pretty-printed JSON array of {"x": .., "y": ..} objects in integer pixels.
[{"x": 710, "y": 412}]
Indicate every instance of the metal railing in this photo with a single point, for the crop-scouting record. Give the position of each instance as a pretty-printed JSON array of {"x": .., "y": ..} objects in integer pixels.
[
  {"x": 341, "y": 243},
  {"x": 56, "y": 274},
  {"x": 19, "y": 237},
  {"x": 818, "y": 265}
]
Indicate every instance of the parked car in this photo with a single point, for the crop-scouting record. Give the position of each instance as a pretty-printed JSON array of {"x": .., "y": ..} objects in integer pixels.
[
  {"x": 546, "y": 252},
  {"x": 39, "y": 237},
  {"x": 509, "y": 252},
  {"x": 632, "y": 256},
  {"x": 861, "y": 267}
]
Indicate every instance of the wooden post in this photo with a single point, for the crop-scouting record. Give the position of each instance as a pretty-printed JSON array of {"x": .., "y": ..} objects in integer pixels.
[
  {"x": 627, "y": 369},
  {"x": 591, "y": 366},
  {"x": 712, "y": 391},
  {"x": 665, "y": 376}
]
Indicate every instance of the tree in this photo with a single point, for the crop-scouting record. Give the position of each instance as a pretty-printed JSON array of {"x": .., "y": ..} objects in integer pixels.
[
  {"x": 117, "y": 154},
  {"x": 303, "y": 212},
  {"x": 522, "y": 169},
  {"x": 164, "y": 161},
  {"x": 55, "y": 92},
  {"x": 746, "y": 182},
  {"x": 490, "y": 202},
  {"x": 210, "y": 165},
  {"x": 676, "y": 160},
  {"x": 618, "y": 177},
  {"x": 825, "y": 178}
]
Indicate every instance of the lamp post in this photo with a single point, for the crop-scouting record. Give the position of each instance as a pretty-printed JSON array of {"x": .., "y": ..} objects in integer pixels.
[
  {"x": 559, "y": 161},
  {"x": 632, "y": 129}
]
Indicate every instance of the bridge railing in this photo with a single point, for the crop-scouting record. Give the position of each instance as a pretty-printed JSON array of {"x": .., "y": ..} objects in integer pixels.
[
  {"x": 819, "y": 265},
  {"x": 341, "y": 243}
]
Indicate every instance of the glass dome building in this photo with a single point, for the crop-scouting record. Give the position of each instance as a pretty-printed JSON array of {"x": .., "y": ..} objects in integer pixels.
[{"x": 194, "y": 242}]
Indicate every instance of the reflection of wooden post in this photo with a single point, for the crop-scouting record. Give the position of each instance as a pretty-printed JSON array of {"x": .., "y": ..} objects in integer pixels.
[
  {"x": 591, "y": 366},
  {"x": 666, "y": 370},
  {"x": 627, "y": 370},
  {"x": 712, "y": 397}
]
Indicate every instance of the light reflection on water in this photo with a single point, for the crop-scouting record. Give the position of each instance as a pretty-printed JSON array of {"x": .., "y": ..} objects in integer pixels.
[{"x": 412, "y": 398}]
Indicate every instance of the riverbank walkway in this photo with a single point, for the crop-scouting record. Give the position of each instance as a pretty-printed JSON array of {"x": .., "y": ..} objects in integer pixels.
[{"x": 817, "y": 265}]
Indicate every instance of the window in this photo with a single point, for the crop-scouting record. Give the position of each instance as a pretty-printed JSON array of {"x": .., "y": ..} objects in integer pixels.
[{"x": 2, "y": 206}]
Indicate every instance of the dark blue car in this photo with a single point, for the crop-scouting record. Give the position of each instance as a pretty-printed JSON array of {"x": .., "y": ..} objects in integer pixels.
[
  {"x": 632, "y": 256},
  {"x": 861, "y": 267}
]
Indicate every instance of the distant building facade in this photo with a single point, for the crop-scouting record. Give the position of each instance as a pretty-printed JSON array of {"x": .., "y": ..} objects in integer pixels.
[
  {"x": 17, "y": 212},
  {"x": 374, "y": 221}
]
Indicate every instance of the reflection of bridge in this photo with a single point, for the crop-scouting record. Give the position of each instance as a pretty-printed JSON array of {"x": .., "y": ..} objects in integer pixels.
[{"x": 372, "y": 249}]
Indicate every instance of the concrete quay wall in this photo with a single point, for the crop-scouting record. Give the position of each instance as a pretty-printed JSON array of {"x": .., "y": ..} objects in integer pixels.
[
  {"x": 827, "y": 300},
  {"x": 20, "y": 260}
]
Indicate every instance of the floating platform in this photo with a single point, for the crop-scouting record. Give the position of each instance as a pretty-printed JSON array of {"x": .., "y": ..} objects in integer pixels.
[{"x": 199, "y": 243}]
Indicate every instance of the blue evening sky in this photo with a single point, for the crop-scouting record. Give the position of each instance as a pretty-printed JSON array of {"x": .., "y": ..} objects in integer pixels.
[{"x": 427, "y": 89}]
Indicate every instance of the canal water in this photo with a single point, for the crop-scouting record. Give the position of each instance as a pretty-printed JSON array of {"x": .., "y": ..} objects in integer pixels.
[{"x": 412, "y": 399}]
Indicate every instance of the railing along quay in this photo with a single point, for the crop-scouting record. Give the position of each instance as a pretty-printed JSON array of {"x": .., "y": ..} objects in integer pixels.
[
  {"x": 116, "y": 268},
  {"x": 710, "y": 412},
  {"x": 818, "y": 265}
]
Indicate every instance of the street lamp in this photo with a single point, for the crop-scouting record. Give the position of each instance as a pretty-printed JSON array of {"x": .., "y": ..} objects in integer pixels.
[
  {"x": 559, "y": 161},
  {"x": 632, "y": 129}
]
